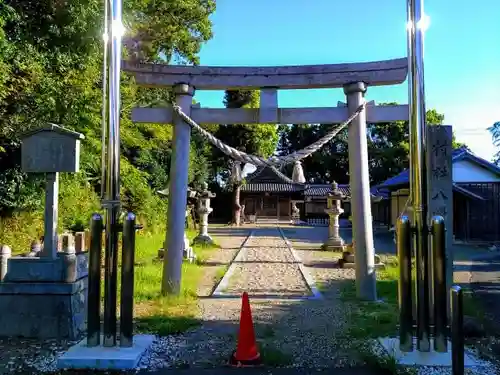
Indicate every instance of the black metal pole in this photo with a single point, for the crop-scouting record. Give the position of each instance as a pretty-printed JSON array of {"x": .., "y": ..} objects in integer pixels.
[
  {"x": 403, "y": 235},
  {"x": 439, "y": 280},
  {"x": 127, "y": 287},
  {"x": 94, "y": 282},
  {"x": 110, "y": 276},
  {"x": 457, "y": 334}
]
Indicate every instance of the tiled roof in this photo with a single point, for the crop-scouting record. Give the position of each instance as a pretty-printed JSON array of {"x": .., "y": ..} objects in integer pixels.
[
  {"x": 270, "y": 179},
  {"x": 322, "y": 190},
  {"x": 458, "y": 154},
  {"x": 268, "y": 174},
  {"x": 271, "y": 187}
]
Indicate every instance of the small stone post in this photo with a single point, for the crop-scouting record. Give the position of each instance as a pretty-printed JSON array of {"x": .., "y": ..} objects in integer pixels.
[
  {"x": 80, "y": 245},
  {"x": 334, "y": 210},
  {"x": 69, "y": 257},
  {"x": 5, "y": 254},
  {"x": 177, "y": 202},
  {"x": 204, "y": 210}
]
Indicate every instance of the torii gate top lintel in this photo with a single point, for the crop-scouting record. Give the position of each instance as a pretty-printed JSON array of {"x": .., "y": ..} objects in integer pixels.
[{"x": 376, "y": 73}]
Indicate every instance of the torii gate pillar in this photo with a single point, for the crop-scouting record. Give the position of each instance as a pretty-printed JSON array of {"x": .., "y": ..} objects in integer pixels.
[
  {"x": 364, "y": 251},
  {"x": 177, "y": 200}
]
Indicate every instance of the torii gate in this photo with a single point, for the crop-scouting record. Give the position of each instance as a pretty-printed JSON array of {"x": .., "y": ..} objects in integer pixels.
[{"x": 354, "y": 78}]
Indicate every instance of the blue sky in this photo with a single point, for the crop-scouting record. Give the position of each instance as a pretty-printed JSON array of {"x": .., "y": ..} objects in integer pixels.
[{"x": 462, "y": 52}]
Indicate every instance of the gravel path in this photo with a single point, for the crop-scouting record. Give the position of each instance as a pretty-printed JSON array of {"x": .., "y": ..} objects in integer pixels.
[
  {"x": 266, "y": 267},
  {"x": 298, "y": 333}
]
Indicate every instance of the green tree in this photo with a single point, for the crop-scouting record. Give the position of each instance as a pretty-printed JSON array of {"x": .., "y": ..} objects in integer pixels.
[
  {"x": 50, "y": 71},
  {"x": 388, "y": 149},
  {"x": 256, "y": 139},
  {"x": 495, "y": 135}
]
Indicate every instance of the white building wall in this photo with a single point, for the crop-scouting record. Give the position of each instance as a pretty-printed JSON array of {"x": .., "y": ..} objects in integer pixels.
[{"x": 466, "y": 171}]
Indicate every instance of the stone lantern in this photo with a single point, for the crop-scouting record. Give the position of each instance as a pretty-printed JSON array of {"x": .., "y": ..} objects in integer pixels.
[
  {"x": 334, "y": 210},
  {"x": 204, "y": 210}
]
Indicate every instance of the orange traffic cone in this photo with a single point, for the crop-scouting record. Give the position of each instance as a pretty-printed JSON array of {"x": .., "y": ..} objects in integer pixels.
[{"x": 246, "y": 353}]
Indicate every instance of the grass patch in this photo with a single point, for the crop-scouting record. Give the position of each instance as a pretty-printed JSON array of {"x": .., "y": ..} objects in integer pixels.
[
  {"x": 159, "y": 314},
  {"x": 221, "y": 271},
  {"x": 382, "y": 361},
  {"x": 374, "y": 319}
]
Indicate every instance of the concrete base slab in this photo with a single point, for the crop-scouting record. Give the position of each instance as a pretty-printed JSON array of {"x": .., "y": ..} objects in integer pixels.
[
  {"x": 332, "y": 248},
  {"x": 344, "y": 264},
  {"x": 416, "y": 358},
  {"x": 80, "y": 356}
]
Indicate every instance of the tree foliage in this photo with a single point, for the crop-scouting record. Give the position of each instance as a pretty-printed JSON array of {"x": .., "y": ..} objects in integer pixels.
[
  {"x": 256, "y": 139},
  {"x": 51, "y": 71},
  {"x": 495, "y": 135},
  {"x": 388, "y": 149}
]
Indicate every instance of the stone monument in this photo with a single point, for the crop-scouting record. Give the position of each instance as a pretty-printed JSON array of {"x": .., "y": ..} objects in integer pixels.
[
  {"x": 204, "y": 210},
  {"x": 334, "y": 210},
  {"x": 48, "y": 289}
]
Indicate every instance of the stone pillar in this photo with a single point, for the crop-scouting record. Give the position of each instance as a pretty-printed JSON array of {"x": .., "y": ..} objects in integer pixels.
[
  {"x": 177, "y": 202},
  {"x": 5, "y": 254},
  {"x": 440, "y": 182},
  {"x": 334, "y": 210},
  {"x": 204, "y": 210},
  {"x": 360, "y": 195},
  {"x": 50, "y": 239}
]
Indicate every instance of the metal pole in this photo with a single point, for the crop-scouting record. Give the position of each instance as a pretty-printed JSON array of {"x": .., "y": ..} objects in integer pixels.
[
  {"x": 127, "y": 287},
  {"x": 418, "y": 173},
  {"x": 112, "y": 201},
  {"x": 104, "y": 122},
  {"x": 405, "y": 285},
  {"x": 457, "y": 334},
  {"x": 94, "y": 282},
  {"x": 439, "y": 279}
]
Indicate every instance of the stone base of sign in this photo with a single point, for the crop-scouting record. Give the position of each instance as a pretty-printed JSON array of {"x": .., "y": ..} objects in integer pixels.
[
  {"x": 348, "y": 261},
  {"x": 82, "y": 357},
  {"x": 66, "y": 267},
  {"x": 43, "y": 310},
  {"x": 203, "y": 239},
  {"x": 334, "y": 244},
  {"x": 416, "y": 358}
]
